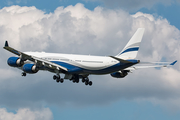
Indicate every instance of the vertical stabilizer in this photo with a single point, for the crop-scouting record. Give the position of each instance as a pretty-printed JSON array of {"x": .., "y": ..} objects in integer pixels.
[{"x": 131, "y": 49}]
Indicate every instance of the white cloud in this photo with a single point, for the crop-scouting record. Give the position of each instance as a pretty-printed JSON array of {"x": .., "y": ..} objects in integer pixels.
[
  {"x": 26, "y": 114},
  {"x": 8, "y": 74},
  {"x": 15, "y": 17},
  {"x": 75, "y": 29}
]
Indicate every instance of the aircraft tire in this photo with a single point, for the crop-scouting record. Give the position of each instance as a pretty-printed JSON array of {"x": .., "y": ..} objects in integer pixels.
[
  {"x": 23, "y": 74},
  {"x": 83, "y": 80},
  {"x": 77, "y": 81},
  {"x": 90, "y": 83},
  {"x": 61, "y": 80},
  {"x": 54, "y": 77},
  {"x": 86, "y": 83},
  {"x": 57, "y": 80},
  {"x": 87, "y": 80}
]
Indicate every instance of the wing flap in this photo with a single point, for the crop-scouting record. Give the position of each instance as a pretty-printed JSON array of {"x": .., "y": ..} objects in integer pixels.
[{"x": 49, "y": 64}]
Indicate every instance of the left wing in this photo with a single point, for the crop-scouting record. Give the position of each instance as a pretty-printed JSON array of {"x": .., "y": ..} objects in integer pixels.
[{"x": 36, "y": 60}]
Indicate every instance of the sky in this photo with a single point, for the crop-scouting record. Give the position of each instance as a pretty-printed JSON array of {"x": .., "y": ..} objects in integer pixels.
[{"x": 96, "y": 27}]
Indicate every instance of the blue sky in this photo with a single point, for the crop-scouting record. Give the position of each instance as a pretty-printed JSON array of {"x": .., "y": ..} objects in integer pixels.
[{"x": 125, "y": 107}]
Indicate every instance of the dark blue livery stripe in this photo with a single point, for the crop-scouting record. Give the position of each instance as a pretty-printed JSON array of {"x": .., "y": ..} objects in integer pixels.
[
  {"x": 76, "y": 70},
  {"x": 131, "y": 49}
]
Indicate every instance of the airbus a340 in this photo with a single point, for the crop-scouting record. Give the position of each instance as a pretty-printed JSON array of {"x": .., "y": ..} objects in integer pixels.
[{"x": 77, "y": 67}]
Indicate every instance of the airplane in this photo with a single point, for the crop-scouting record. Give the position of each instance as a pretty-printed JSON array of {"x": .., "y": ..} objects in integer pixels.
[{"x": 76, "y": 67}]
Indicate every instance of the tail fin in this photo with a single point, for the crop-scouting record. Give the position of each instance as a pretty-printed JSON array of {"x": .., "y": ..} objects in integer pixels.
[{"x": 131, "y": 49}]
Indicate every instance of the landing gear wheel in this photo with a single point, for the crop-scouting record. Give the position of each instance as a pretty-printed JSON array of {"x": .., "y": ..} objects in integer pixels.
[
  {"x": 57, "y": 80},
  {"x": 61, "y": 80},
  {"x": 90, "y": 83},
  {"x": 74, "y": 80},
  {"x": 77, "y": 81},
  {"x": 83, "y": 80},
  {"x": 23, "y": 74},
  {"x": 86, "y": 82},
  {"x": 54, "y": 77},
  {"x": 87, "y": 79}
]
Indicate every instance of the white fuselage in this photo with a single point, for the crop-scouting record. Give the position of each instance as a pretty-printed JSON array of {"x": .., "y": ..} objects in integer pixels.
[{"x": 86, "y": 62}]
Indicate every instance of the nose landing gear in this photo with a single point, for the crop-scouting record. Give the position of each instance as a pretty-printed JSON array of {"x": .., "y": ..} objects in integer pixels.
[{"x": 23, "y": 74}]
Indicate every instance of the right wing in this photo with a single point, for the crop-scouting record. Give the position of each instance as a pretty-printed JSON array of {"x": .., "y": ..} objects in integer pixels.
[
  {"x": 151, "y": 65},
  {"x": 38, "y": 61}
]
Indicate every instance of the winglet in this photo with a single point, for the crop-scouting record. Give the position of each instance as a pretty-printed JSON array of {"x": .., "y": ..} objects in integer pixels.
[
  {"x": 6, "y": 44},
  {"x": 173, "y": 62}
]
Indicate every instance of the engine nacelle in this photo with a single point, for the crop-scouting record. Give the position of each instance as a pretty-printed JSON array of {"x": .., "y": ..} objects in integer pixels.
[
  {"x": 15, "y": 62},
  {"x": 120, "y": 74},
  {"x": 30, "y": 68}
]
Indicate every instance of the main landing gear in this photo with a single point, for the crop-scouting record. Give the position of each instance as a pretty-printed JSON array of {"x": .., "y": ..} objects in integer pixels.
[
  {"x": 74, "y": 79},
  {"x": 86, "y": 81},
  {"x": 58, "y": 78}
]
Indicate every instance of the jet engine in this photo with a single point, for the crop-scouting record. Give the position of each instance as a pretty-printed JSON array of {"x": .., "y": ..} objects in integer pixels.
[
  {"x": 15, "y": 62},
  {"x": 30, "y": 68},
  {"x": 120, "y": 74}
]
